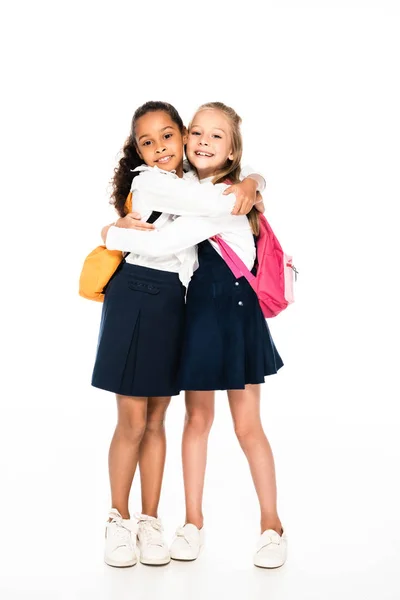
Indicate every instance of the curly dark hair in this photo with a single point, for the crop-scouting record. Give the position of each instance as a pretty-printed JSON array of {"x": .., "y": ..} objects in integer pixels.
[{"x": 130, "y": 159}]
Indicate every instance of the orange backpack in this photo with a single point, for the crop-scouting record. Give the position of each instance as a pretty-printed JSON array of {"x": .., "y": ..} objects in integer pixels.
[{"x": 99, "y": 266}]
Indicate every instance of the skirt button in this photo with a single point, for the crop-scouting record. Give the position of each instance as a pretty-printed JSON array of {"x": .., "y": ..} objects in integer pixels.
[
  {"x": 240, "y": 303},
  {"x": 236, "y": 283}
]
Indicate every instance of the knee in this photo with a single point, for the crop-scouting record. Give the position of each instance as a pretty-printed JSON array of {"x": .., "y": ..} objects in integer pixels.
[
  {"x": 247, "y": 433},
  {"x": 154, "y": 426},
  {"x": 132, "y": 429},
  {"x": 156, "y": 416},
  {"x": 199, "y": 422}
]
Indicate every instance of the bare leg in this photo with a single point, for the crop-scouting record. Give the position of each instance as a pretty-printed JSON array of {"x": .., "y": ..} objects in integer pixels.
[
  {"x": 245, "y": 410},
  {"x": 152, "y": 455},
  {"x": 124, "y": 449},
  {"x": 198, "y": 420}
]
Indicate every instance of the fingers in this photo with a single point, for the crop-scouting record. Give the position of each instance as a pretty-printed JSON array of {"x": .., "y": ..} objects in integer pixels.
[
  {"x": 242, "y": 207},
  {"x": 229, "y": 190},
  {"x": 246, "y": 207},
  {"x": 243, "y": 204},
  {"x": 236, "y": 208},
  {"x": 139, "y": 225},
  {"x": 134, "y": 222}
]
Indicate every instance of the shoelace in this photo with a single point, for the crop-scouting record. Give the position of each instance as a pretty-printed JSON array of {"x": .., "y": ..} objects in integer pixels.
[
  {"x": 151, "y": 528},
  {"x": 180, "y": 532},
  {"x": 121, "y": 532},
  {"x": 271, "y": 538}
]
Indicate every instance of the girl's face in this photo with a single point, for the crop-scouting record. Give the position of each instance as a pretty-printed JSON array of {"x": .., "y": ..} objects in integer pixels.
[
  {"x": 209, "y": 143},
  {"x": 159, "y": 141}
]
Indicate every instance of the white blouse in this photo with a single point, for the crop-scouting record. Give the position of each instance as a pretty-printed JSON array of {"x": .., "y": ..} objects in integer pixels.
[{"x": 203, "y": 212}]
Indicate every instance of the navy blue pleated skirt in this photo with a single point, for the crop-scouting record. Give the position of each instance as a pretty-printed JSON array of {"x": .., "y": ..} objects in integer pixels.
[
  {"x": 227, "y": 341},
  {"x": 141, "y": 333}
]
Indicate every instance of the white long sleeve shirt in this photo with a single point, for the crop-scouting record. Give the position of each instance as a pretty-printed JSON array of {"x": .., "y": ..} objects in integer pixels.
[{"x": 204, "y": 211}]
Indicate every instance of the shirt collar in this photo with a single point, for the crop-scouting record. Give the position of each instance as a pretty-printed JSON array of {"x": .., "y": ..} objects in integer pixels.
[{"x": 155, "y": 168}]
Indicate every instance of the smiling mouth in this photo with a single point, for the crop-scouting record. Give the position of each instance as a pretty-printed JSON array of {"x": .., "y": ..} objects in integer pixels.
[
  {"x": 164, "y": 159},
  {"x": 206, "y": 154}
]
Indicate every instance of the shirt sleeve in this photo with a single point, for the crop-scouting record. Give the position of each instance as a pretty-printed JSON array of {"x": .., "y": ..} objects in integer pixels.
[
  {"x": 248, "y": 171},
  {"x": 168, "y": 194},
  {"x": 183, "y": 233}
]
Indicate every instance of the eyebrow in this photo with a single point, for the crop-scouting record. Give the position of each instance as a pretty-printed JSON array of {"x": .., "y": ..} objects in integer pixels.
[
  {"x": 219, "y": 129},
  {"x": 163, "y": 129}
]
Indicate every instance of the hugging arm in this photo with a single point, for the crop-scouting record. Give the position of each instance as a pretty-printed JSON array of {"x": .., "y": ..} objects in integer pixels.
[
  {"x": 165, "y": 193},
  {"x": 183, "y": 233}
]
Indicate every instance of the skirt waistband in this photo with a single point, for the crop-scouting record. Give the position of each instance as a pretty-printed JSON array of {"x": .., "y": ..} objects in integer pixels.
[{"x": 154, "y": 275}]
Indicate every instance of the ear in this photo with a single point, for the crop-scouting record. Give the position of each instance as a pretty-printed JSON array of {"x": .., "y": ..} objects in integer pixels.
[
  {"x": 231, "y": 157},
  {"x": 184, "y": 136}
]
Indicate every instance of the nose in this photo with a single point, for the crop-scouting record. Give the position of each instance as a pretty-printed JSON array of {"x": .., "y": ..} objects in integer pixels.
[
  {"x": 203, "y": 141},
  {"x": 161, "y": 149}
]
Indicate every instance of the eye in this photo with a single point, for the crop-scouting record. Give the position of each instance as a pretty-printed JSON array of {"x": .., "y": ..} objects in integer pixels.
[
  {"x": 195, "y": 132},
  {"x": 217, "y": 136},
  {"x": 168, "y": 135},
  {"x": 147, "y": 143}
]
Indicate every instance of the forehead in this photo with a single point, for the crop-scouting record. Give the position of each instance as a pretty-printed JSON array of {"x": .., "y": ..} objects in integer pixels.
[
  {"x": 153, "y": 122},
  {"x": 211, "y": 118}
]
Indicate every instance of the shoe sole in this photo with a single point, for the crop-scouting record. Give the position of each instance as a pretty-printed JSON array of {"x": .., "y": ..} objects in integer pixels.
[
  {"x": 271, "y": 566},
  {"x": 156, "y": 563},
  {"x": 184, "y": 559},
  {"x": 119, "y": 565}
]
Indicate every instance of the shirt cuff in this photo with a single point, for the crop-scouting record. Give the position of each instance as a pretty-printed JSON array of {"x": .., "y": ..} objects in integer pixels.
[
  {"x": 248, "y": 171},
  {"x": 260, "y": 181}
]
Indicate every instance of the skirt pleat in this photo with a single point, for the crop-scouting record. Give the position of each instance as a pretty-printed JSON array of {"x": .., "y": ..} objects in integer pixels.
[
  {"x": 141, "y": 333},
  {"x": 227, "y": 342}
]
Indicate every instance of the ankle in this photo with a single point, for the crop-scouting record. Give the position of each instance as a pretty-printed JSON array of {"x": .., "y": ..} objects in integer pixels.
[
  {"x": 150, "y": 513},
  {"x": 124, "y": 513},
  {"x": 195, "y": 520},
  {"x": 274, "y": 524}
]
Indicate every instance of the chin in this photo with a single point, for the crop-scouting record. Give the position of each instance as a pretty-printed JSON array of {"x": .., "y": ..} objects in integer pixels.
[
  {"x": 167, "y": 167},
  {"x": 200, "y": 164},
  {"x": 203, "y": 163}
]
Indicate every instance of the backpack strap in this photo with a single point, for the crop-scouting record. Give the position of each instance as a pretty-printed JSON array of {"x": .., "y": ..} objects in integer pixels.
[
  {"x": 128, "y": 206},
  {"x": 233, "y": 261},
  {"x": 153, "y": 217}
]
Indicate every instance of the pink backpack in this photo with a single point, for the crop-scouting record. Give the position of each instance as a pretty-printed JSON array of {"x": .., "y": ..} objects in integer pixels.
[{"x": 273, "y": 282}]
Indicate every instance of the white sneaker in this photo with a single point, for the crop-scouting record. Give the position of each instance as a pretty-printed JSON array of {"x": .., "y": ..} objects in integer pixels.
[
  {"x": 187, "y": 542},
  {"x": 271, "y": 550},
  {"x": 120, "y": 541},
  {"x": 150, "y": 541}
]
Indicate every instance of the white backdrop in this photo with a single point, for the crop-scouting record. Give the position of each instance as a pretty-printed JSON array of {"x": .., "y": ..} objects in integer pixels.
[{"x": 317, "y": 86}]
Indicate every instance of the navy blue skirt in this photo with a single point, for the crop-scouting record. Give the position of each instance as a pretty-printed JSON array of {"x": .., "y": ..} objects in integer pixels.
[
  {"x": 141, "y": 333},
  {"x": 227, "y": 341}
]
